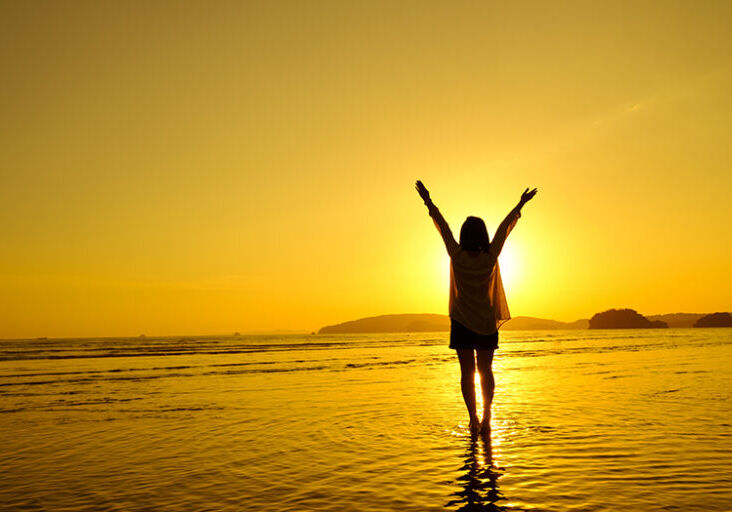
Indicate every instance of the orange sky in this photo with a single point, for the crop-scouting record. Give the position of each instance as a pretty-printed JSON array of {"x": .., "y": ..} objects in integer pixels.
[{"x": 191, "y": 168}]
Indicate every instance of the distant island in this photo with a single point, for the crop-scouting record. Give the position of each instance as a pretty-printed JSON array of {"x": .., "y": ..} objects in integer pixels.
[
  {"x": 610, "y": 319},
  {"x": 624, "y": 319},
  {"x": 715, "y": 320}
]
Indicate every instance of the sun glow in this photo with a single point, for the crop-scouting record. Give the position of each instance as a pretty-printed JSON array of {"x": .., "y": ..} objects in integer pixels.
[
  {"x": 478, "y": 394},
  {"x": 510, "y": 264}
]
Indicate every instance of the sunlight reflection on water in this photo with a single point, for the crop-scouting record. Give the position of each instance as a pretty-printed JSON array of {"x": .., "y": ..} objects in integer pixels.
[{"x": 582, "y": 420}]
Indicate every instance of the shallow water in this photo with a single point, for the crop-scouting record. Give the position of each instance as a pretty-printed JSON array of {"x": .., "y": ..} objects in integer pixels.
[{"x": 582, "y": 420}]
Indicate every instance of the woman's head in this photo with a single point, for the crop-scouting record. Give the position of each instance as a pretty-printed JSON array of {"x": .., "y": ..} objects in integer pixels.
[{"x": 474, "y": 235}]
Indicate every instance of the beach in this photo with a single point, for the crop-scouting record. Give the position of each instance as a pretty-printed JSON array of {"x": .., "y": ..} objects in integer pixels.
[{"x": 590, "y": 420}]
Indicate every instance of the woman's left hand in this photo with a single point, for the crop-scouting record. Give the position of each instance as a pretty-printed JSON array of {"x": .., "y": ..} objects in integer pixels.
[{"x": 527, "y": 195}]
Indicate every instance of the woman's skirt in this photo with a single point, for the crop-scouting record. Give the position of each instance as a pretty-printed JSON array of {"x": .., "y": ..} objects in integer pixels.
[{"x": 462, "y": 337}]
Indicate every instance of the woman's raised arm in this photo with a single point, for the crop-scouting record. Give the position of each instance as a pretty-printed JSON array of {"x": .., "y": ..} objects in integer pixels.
[
  {"x": 509, "y": 222},
  {"x": 450, "y": 244}
]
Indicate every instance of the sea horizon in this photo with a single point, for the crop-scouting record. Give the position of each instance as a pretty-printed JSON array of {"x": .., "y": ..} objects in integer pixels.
[{"x": 291, "y": 332}]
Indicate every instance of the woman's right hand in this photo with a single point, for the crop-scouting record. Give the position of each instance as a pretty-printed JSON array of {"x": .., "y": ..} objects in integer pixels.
[{"x": 423, "y": 192}]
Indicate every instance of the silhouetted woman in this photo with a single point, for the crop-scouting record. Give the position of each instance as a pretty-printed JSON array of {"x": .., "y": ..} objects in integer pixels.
[{"x": 477, "y": 301}]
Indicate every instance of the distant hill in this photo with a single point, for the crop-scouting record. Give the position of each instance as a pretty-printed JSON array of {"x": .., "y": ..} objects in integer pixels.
[
  {"x": 529, "y": 323},
  {"x": 438, "y": 323},
  {"x": 677, "y": 319},
  {"x": 623, "y": 319},
  {"x": 391, "y": 323},
  {"x": 715, "y": 320}
]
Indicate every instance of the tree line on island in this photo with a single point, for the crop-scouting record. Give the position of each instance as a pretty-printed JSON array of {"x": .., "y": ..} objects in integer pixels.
[{"x": 610, "y": 319}]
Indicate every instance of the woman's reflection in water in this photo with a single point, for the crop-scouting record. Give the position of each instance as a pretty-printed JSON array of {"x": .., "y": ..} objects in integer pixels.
[{"x": 479, "y": 478}]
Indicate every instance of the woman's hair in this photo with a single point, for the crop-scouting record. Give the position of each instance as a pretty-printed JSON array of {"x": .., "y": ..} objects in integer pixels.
[{"x": 473, "y": 235}]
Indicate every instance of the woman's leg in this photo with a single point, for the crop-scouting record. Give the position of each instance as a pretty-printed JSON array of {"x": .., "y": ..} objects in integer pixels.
[
  {"x": 466, "y": 357},
  {"x": 485, "y": 367}
]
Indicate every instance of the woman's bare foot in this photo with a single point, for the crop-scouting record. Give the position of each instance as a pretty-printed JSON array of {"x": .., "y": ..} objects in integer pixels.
[
  {"x": 475, "y": 426},
  {"x": 485, "y": 425}
]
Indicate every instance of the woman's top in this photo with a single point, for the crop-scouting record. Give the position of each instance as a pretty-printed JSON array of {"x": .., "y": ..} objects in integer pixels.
[{"x": 477, "y": 299}]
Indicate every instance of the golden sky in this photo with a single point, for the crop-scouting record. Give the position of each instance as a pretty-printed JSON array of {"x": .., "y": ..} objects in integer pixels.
[{"x": 210, "y": 167}]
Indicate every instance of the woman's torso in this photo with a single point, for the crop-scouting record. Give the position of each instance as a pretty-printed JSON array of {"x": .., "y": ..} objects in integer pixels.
[{"x": 470, "y": 290}]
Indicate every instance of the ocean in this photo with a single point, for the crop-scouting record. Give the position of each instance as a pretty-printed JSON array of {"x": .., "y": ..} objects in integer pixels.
[{"x": 583, "y": 420}]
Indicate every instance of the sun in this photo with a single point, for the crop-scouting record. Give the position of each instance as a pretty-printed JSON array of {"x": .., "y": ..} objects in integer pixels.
[{"x": 510, "y": 263}]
